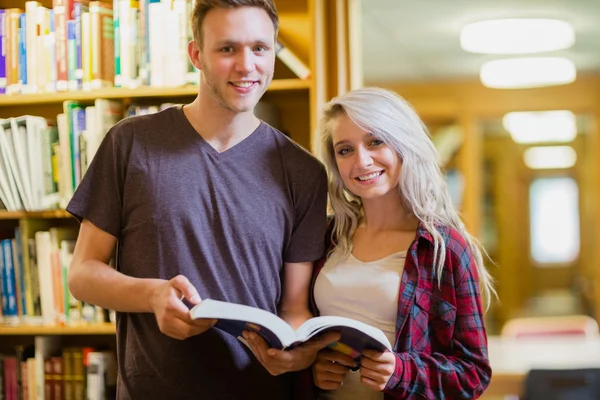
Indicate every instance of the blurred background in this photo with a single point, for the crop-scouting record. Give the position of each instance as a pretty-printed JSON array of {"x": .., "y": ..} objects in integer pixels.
[{"x": 525, "y": 182}]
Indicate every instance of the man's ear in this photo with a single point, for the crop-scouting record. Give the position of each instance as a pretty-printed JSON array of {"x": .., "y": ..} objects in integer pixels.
[{"x": 195, "y": 54}]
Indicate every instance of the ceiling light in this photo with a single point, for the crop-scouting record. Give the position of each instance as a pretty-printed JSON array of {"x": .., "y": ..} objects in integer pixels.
[
  {"x": 520, "y": 73},
  {"x": 541, "y": 126},
  {"x": 517, "y": 36},
  {"x": 550, "y": 157}
]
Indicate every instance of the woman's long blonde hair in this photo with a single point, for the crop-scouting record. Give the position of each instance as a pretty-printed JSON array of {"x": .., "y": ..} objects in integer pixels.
[{"x": 422, "y": 185}]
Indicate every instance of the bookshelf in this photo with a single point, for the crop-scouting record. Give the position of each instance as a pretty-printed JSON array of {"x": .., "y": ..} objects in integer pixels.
[
  {"x": 31, "y": 330},
  {"x": 306, "y": 26},
  {"x": 278, "y": 85}
]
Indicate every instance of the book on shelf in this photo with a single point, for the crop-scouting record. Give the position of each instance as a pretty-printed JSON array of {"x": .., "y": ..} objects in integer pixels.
[
  {"x": 236, "y": 318},
  {"x": 291, "y": 60}
]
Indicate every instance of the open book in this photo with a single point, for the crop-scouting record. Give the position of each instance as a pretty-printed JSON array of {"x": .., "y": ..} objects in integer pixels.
[{"x": 235, "y": 318}]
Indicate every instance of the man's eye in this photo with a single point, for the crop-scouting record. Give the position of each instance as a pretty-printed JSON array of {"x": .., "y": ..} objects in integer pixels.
[
  {"x": 227, "y": 49},
  {"x": 260, "y": 49}
]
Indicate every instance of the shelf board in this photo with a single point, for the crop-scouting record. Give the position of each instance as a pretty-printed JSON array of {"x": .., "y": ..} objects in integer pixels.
[
  {"x": 29, "y": 330},
  {"x": 34, "y": 214},
  {"x": 277, "y": 85}
]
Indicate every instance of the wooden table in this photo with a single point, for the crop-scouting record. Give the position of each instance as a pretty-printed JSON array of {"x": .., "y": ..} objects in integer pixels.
[{"x": 511, "y": 359}]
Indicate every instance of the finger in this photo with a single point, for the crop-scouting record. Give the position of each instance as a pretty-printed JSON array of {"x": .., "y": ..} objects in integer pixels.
[
  {"x": 321, "y": 341},
  {"x": 375, "y": 355},
  {"x": 371, "y": 374},
  {"x": 337, "y": 357},
  {"x": 328, "y": 385},
  {"x": 259, "y": 345},
  {"x": 331, "y": 377},
  {"x": 371, "y": 383},
  {"x": 203, "y": 322},
  {"x": 329, "y": 367},
  {"x": 183, "y": 285},
  {"x": 253, "y": 346}
]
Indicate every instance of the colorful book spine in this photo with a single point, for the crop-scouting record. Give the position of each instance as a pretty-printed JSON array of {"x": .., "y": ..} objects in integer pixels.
[
  {"x": 9, "y": 291},
  {"x": 23, "y": 78},
  {"x": 3, "y": 30},
  {"x": 71, "y": 55}
]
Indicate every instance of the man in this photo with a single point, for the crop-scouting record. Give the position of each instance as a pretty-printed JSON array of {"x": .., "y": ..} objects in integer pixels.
[{"x": 205, "y": 201}]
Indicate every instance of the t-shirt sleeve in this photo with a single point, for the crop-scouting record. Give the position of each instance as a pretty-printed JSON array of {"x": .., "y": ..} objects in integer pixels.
[
  {"x": 307, "y": 240},
  {"x": 98, "y": 198}
]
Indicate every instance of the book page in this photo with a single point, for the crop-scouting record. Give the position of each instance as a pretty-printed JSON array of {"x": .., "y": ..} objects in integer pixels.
[
  {"x": 235, "y": 318},
  {"x": 356, "y": 335}
]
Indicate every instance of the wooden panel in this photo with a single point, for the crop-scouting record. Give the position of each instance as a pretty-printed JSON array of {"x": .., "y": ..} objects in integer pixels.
[
  {"x": 294, "y": 110},
  {"x": 295, "y": 26},
  {"x": 99, "y": 329},
  {"x": 471, "y": 95},
  {"x": 31, "y": 215}
]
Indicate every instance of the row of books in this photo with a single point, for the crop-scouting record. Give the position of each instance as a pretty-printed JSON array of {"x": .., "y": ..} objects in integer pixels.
[
  {"x": 46, "y": 371},
  {"x": 41, "y": 162},
  {"x": 34, "y": 266},
  {"x": 85, "y": 45}
]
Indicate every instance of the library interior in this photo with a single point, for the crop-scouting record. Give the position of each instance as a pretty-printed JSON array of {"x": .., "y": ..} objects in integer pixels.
[{"x": 509, "y": 92}]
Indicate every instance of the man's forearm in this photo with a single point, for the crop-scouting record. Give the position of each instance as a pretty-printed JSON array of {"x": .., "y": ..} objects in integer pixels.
[{"x": 98, "y": 283}]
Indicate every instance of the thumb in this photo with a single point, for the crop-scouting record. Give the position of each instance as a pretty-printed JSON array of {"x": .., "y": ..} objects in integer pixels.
[
  {"x": 189, "y": 292},
  {"x": 324, "y": 340}
]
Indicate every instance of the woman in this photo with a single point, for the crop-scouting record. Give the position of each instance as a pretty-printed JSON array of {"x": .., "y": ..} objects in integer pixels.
[{"x": 400, "y": 259}]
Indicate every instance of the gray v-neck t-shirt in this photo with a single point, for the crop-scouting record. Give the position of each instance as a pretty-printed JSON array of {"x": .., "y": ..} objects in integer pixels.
[{"x": 227, "y": 221}]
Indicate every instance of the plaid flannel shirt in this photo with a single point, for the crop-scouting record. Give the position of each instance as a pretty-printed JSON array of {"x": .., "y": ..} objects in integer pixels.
[{"x": 441, "y": 343}]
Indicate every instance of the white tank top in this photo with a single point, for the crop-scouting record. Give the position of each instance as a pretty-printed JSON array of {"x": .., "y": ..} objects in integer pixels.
[{"x": 367, "y": 292}]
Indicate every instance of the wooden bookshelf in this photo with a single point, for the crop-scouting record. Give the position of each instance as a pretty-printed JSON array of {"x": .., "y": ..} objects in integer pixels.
[
  {"x": 30, "y": 330},
  {"x": 34, "y": 215},
  {"x": 277, "y": 85}
]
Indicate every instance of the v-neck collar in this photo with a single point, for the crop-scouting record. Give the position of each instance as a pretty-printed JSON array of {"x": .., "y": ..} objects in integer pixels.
[{"x": 241, "y": 146}]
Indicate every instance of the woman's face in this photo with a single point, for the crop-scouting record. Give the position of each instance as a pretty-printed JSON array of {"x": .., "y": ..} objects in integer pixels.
[{"x": 369, "y": 168}]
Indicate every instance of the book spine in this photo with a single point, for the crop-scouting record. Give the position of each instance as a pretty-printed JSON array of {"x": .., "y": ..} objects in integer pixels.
[
  {"x": 292, "y": 61},
  {"x": 3, "y": 40},
  {"x": 23, "y": 70}
]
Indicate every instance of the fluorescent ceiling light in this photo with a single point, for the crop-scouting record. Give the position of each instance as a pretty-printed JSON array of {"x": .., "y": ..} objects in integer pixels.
[
  {"x": 517, "y": 36},
  {"x": 541, "y": 126},
  {"x": 552, "y": 157},
  {"x": 520, "y": 73}
]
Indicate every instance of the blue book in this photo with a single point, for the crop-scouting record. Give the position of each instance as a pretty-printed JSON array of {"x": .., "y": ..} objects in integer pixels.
[
  {"x": 22, "y": 53},
  {"x": 9, "y": 286},
  {"x": 3, "y": 39}
]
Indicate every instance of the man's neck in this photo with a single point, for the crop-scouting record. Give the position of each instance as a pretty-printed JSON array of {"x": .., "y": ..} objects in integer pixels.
[{"x": 221, "y": 128}]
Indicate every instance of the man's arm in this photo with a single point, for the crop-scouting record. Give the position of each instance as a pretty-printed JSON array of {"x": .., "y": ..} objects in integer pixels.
[
  {"x": 293, "y": 307},
  {"x": 92, "y": 280}
]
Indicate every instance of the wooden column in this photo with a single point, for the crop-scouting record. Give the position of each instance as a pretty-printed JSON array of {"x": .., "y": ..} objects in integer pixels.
[
  {"x": 337, "y": 55},
  {"x": 470, "y": 164}
]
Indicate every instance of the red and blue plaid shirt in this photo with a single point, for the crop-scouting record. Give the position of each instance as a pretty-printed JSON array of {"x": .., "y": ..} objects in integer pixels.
[{"x": 441, "y": 343}]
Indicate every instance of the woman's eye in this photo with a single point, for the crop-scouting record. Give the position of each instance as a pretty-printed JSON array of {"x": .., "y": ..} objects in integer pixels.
[
  {"x": 376, "y": 142},
  {"x": 343, "y": 152}
]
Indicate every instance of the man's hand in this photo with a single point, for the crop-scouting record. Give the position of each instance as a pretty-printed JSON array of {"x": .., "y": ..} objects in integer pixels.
[
  {"x": 172, "y": 315},
  {"x": 377, "y": 368},
  {"x": 331, "y": 368},
  {"x": 278, "y": 362}
]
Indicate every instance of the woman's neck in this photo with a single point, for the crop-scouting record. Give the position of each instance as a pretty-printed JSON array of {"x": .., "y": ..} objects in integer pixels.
[{"x": 389, "y": 213}]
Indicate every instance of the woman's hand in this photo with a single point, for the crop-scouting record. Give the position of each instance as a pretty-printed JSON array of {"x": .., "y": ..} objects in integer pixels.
[
  {"x": 331, "y": 368},
  {"x": 278, "y": 362},
  {"x": 377, "y": 368}
]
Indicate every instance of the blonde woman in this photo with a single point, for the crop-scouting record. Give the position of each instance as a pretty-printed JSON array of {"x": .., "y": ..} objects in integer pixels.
[{"x": 400, "y": 259}]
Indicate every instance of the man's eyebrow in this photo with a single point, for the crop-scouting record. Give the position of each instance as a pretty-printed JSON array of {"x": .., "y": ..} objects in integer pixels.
[{"x": 230, "y": 42}]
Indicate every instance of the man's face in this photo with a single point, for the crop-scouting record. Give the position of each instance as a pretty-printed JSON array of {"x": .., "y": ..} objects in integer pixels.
[{"x": 238, "y": 56}]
